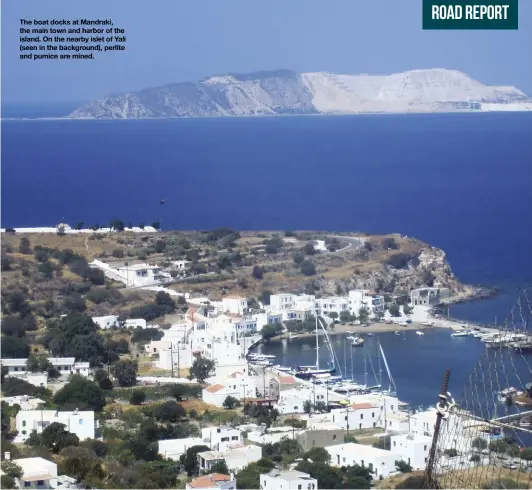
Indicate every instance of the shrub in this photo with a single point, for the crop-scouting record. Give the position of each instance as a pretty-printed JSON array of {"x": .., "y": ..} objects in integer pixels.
[
  {"x": 137, "y": 397},
  {"x": 24, "y": 246},
  {"x": 308, "y": 268},
  {"x": 258, "y": 272}
]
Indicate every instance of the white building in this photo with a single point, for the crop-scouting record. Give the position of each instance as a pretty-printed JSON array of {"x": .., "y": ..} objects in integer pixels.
[
  {"x": 35, "y": 379},
  {"x": 282, "y": 302},
  {"x": 25, "y": 402},
  {"x": 380, "y": 461},
  {"x": 139, "y": 275},
  {"x": 78, "y": 422},
  {"x": 65, "y": 365},
  {"x": 236, "y": 458},
  {"x": 236, "y": 305},
  {"x": 221, "y": 438},
  {"x": 319, "y": 246},
  {"x": 293, "y": 400},
  {"x": 358, "y": 416},
  {"x": 212, "y": 482},
  {"x": 414, "y": 449},
  {"x": 332, "y": 304},
  {"x": 361, "y": 298},
  {"x": 105, "y": 322},
  {"x": 174, "y": 448},
  {"x": 287, "y": 480},
  {"x": 181, "y": 265},
  {"x": 238, "y": 385},
  {"x": 136, "y": 323},
  {"x": 36, "y": 473}
]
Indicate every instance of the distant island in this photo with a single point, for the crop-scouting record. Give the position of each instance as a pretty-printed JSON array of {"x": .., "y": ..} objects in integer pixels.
[{"x": 284, "y": 92}]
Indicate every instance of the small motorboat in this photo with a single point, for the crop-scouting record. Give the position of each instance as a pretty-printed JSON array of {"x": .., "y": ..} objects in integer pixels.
[
  {"x": 460, "y": 334},
  {"x": 420, "y": 333},
  {"x": 397, "y": 332},
  {"x": 357, "y": 342}
]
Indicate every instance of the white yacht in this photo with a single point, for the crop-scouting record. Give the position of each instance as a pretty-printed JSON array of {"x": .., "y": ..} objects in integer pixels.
[
  {"x": 420, "y": 333},
  {"x": 460, "y": 334}
]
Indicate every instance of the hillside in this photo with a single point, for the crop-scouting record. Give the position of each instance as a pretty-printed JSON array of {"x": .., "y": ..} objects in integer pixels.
[
  {"x": 287, "y": 92},
  {"x": 52, "y": 274}
]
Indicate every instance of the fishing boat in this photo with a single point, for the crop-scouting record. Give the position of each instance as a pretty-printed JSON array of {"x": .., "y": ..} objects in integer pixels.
[
  {"x": 264, "y": 363},
  {"x": 420, "y": 333},
  {"x": 306, "y": 372},
  {"x": 459, "y": 334},
  {"x": 357, "y": 342},
  {"x": 260, "y": 357}
]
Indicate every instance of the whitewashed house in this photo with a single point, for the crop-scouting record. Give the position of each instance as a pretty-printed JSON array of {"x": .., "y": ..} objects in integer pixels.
[
  {"x": 136, "y": 323},
  {"x": 358, "y": 416},
  {"x": 78, "y": 422},
  {"x": 212, "y": 481},
  {"x": 287, "y": 480},
  {"x": 174, "y": 448},
  {"x": 25, "y": 402},
  {"x": 236, "y": 458},
  {"x": 282, "y": 302},
  {"x": 332, "y": 304},
  {"x": 65, "y": 365},
  {"x": 293, "y": 400},
  {"x": 380, "y": 461},
  {"x": 238, "y": 385},
  {"x": 221, "y": 438},
  {"x": 236, "y": 305},
  {"x": 105, "y": 322},
  {"x": 414, "y": 449},
  {"x": 139, "y": 275},
  {"x": 36, "y": 473},
  {"x": 362, "y": 298}
]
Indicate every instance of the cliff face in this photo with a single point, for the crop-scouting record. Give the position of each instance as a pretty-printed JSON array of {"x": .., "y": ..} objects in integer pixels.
[
  {"x": 428, "y": 268},
  {"x": 287, "y": 92}
]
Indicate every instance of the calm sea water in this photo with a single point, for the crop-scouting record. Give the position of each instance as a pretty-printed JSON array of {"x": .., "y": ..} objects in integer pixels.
[
  {"x": 462, "y": 182},
  {"x": 417, "y": 364}
]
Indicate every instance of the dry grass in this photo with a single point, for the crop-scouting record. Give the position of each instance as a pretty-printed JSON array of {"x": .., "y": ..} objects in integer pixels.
[{"x": 481, "y": 477}]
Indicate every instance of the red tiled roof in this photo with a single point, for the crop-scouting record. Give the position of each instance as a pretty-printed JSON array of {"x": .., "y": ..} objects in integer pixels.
[
  {"x": 215, "y": 388},
  {"x": 287, "y": 379},
  {"x": 359, "y": 406},
  {"x": 209, "y": 481}
]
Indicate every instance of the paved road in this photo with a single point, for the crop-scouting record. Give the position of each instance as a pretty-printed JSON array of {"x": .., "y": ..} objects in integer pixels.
[{"x": 353, "y": 243}]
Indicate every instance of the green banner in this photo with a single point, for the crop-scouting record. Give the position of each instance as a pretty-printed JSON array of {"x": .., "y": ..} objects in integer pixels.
[{"x": 470, "y": 14}]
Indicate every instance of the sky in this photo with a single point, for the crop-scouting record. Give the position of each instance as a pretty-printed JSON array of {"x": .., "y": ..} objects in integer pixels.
[{"x": 172, "y": 41}]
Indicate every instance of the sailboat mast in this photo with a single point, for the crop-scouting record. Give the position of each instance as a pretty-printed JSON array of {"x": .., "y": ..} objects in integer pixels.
[
  {"x": 352, "y": 370},
  {"x": 317, "y": 345},
  {"x": 345, "y": 360},
  {"x": 365, "y": 371},
  {"x": 380, "y": 368}
]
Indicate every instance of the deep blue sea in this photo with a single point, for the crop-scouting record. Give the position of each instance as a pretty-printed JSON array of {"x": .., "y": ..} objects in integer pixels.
[{"x": 462, "y": 182}]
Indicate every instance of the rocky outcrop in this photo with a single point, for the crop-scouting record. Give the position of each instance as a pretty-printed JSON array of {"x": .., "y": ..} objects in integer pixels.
[{"x": 286, "y": 92}]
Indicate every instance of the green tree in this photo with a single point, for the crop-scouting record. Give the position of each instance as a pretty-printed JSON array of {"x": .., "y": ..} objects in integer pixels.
[
  {"x": 363, "y": 315},
  {"x": 55, "y": 437},
  {"x": 526, "y": 454},
  {"x": 162, "y": 298},
  {"x": 230, "y": 402},
  {"x": 345, "y": 316},
  {"x": 13, "y": 348},
  {"x": 125, "y": 372},
  {"x": 317, "y": 455},
  {"x": 201, "y": 369},
  {"x": 307, "y": 406},
  {"x": 475, "y": 458},
  {"x": 333, "y": 315},
  {"x": 80, "y": 393},
  {"x": 219, "y": 467},
  {"x": 24, "y": 246},
  {"x": 117, "y": 225},
  {"x": 258, "y": 272},
  {"x": 169, "y": 411},
  {"x": 11, "y": 471},
  {"x": 389, "y": 243},
  {"x": 308, "y": 268},
  {"x": 451, "y": 452},
  {"x": 79, "y": 225},
  {"x": 189, "y": 460},
  {"x": 264, "y": 297},
  {"x": 271, "y": 330},
  {"x": 75, "y": 335},
  {"x": 249, "y": 477},
  {"x": 379, "y": 315},
  {"x": 403, "y": 466},
  {"x": 479, "y": 443},
  {"x": 309, "y": 249},
  {"x": 138, "y": 397},
  {"x": 407, "y": 309},
  {"x": 394, "y": 310},
  {"x": 498, "y": 446},
  {"x": 156, "y": 225}
]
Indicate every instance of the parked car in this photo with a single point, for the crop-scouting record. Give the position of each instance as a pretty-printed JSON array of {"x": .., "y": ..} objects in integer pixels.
[{"x": 509, "y": 465}]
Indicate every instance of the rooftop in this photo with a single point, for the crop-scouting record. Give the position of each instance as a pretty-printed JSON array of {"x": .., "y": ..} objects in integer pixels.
[
  {"x": 215, "y": 388},
  {"x": 352, "y": 447},
  {"x": 289, "y": 475},
  {"x": 209, "y": 481},
  {"x": 361, "y": 406},
  {"x": 287, "y": 379}
]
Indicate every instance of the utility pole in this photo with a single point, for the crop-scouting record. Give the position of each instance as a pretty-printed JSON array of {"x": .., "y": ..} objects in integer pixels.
[
  {"x": 442, "y": 408},
  {"x": 172, "y": 358},
  {"x": 178, "y": 365},
  {"x": 347, "y": 421}
]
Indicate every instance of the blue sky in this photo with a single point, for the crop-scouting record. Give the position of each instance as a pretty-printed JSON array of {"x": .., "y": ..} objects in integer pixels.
[{"x": 179, "y": 40}]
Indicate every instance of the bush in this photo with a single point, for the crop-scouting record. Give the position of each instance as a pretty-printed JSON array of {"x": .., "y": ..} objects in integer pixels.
[
  {"x": 96, "y": 276},
  {"x": 118, "y": 253},
  {"x": 308, "y": 268},
  {"x": 400, "y": 260},
  {"x": 137, "y": 397},
  {"x": 389, "y": 243},
  {"x": 24, "y": 246},
  {"x": 258, "y": 272},
  {"x": 80, "y": 393},
  {"x": 298, "y": 258}
]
